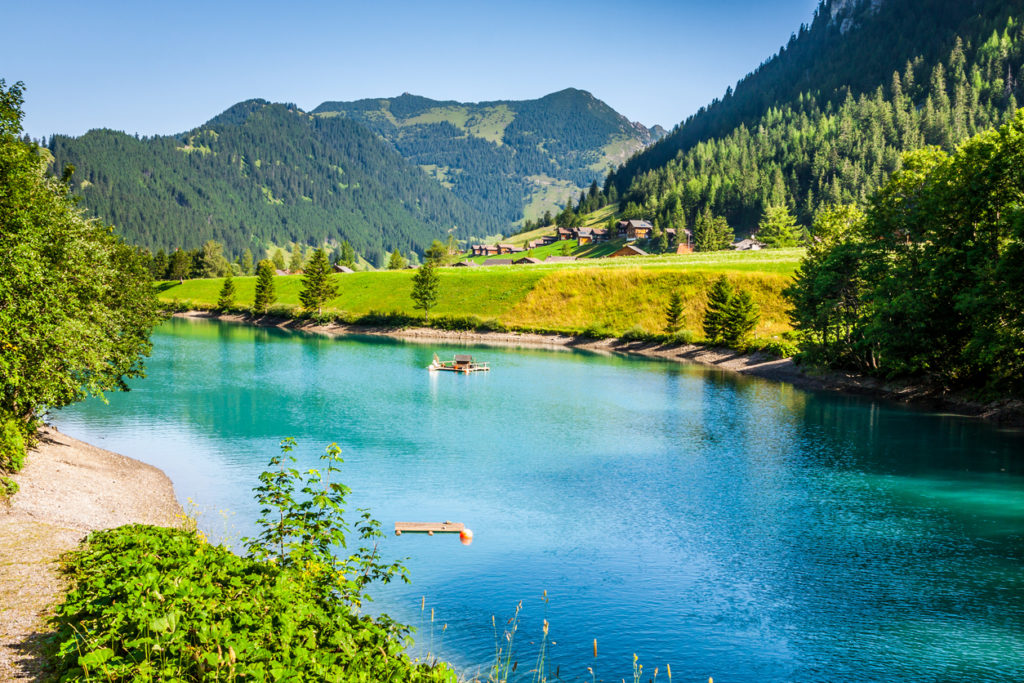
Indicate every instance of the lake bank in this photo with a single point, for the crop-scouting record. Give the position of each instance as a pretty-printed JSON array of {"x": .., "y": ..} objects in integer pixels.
[
  {"x": 1008, "y": 412},
  {"x": 68, "y": 489}
]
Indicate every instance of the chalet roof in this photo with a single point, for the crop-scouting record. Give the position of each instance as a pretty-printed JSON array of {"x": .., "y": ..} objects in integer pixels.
[
  {"x": 584, "y": 232},
  {"x": 634, "y": 223},
  {"x": 631, "y": 249},
  {"x": 600, "y": 231},
  {"x": 498, "y": 262},
  {"x": 749, "y": 243},
  {"x": 338, "y": 268},
  {"x": 527, "y": 260},
  {"x": 466, "y": 264}
]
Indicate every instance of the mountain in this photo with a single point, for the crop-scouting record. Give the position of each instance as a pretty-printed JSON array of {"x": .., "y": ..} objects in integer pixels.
[
  {"x": 263, "y": 173},
  {"x": 505, "y": 157},
  {"x": 827, "y": 119}
]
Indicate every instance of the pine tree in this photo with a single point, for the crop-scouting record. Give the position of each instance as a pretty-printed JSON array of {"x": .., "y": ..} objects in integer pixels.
[
  {"x": 719, "y": 298},
  {"x": 227, "y": 295},
  {"x": 396, "y": 261},
  {"x": 265, "y": 294},
  {"x": 778, "y": 228},
  {"x": 347, "y": 256},
  {"x": 158, "y": 267},
  {"x": 246, "y": 262},
  {"x": 424, "y": 288},
  {"x": 181, "y": 265},
  {"x": 317, "y": 288},
  {"x": 295, "y": 264},
  {"x": 212, "y": 261},
  {"x": 278, "y": 259},
  {"x": 674, "y": 312},
  {"x": 741, "y": 317}
]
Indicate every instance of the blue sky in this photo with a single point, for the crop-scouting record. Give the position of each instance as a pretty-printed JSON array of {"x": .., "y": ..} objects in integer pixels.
[{"x": 161, "y": 68}]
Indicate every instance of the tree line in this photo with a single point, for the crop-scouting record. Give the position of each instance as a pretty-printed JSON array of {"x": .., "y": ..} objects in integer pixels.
[
  {"x": 928, "y": 282},
  {"x": 837, "y": 140}
]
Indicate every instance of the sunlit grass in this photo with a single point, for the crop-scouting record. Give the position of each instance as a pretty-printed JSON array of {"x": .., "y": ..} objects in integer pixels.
[{"x": 615, "y": 295}]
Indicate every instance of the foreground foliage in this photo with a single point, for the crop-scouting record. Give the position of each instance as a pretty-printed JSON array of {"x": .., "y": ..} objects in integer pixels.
[
  {"x": 931, "y": 281},
  {"x": 156, "y": 604},
  {"x": 76, "y": 304}
]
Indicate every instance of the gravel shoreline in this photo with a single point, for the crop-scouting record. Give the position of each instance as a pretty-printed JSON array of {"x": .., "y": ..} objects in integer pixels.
[
  {"x": 68, "y": 488},
  {"x": 1009, "y": 413}
]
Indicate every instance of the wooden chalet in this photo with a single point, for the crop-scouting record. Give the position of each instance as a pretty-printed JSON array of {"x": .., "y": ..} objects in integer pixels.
[
  {"x": 563, "y": 234},
  {"x": 466, "y": 264},
  {"x": 634, "y": 229},
  {"x": 584, "y": 236},
  {"x": 527, "y": 261},
  {"x": 498, "y": 262},
  {"x": 485, "y": 250},
  {"x": 629, "y": 250},
  {"x": 338, "y": 268},
  {"x": 599, "y": 234},
  {"x": 749, "y": 244}
]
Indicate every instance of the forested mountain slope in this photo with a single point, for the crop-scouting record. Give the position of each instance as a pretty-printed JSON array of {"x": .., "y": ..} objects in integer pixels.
[
  {"x": 505, "y": 155},
  {"x": 826, "y": 120},
  {"x": 264, "y": 173}
]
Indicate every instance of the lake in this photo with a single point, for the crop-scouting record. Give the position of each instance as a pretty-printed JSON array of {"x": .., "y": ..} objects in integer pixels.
[{"x": 725, "y": 525}]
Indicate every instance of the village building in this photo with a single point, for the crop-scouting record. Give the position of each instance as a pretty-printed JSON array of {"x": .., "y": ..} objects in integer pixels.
[
  {"x": 634, "y": 229},
  {"x": 599, "y": 234},
  {"x": 564, "y": 234},
  {"x": 749, "y": 244},
  {"x": 527, "y": 261},
  {"x": 498, "y": 262},
  {"x": 338, "y": 268},
  {"x": 466, "y": 264},
  {"x": 628, "y": 250},
  {"x": 584, "y": 236}
]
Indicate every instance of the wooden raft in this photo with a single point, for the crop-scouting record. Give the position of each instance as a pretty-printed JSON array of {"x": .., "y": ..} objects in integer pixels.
[{"x": 429, "y": 528}]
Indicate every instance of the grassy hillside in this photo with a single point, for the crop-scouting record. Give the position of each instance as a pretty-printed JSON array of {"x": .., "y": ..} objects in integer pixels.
[
  {"x": 506, "y": 158},
  {"x": 610, "y": 296}
]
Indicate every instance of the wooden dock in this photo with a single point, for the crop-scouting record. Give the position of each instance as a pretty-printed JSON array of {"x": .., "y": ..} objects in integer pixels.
[{"x": 429, "y": 528}]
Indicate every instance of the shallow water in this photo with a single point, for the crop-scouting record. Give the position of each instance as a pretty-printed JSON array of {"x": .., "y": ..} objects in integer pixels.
[{"x": 728, "y": 526}]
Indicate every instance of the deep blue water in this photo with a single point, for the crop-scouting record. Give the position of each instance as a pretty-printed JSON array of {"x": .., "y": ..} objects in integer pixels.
[{"x": 728, "y": 526}]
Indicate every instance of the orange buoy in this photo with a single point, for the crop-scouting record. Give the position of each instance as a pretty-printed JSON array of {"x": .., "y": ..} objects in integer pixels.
[{"x": 466, "y": 536}]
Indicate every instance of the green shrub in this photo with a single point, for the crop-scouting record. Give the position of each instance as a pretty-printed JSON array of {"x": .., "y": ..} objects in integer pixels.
[
  {"x": 151, "y": 603},
  {"x": 12, "y": 446},
  {"x": 8, "y": 487},
  {"x": 597, "y": 331},
  {"x": 683, "y": 337},
  {"x": 637, "y": 333}
]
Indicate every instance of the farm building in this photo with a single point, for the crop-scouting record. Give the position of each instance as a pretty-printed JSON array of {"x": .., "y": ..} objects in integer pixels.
[
  {"x": 628, "y": 250},
  {"x": 527, "y": 261}
]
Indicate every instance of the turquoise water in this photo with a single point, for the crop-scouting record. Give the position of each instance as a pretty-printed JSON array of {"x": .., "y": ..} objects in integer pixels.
[{"x": 727, "y": 526}]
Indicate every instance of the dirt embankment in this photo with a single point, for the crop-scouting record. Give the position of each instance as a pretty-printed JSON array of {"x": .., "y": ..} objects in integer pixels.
[
  {"x": 1006, "y": 413},
  {"x": 68, "y": 488}
]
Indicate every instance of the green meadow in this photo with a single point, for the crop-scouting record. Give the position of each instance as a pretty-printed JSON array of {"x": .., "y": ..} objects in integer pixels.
[{"x": 615, "y": 296}]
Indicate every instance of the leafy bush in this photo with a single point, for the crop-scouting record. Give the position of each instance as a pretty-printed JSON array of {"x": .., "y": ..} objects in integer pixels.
[
  {"x": 151, "y": 603},
  {"x": 12, "y": 446},
  {"x": 8, "y": 487},
  {"x": 637, "y": 333},
  {"x": 597, "y": 331}
]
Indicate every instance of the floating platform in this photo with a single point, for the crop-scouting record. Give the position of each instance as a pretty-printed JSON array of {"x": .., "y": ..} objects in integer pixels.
[
  {"x": 462, "y": 363},
  {"x": 430, "y": 528}
]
